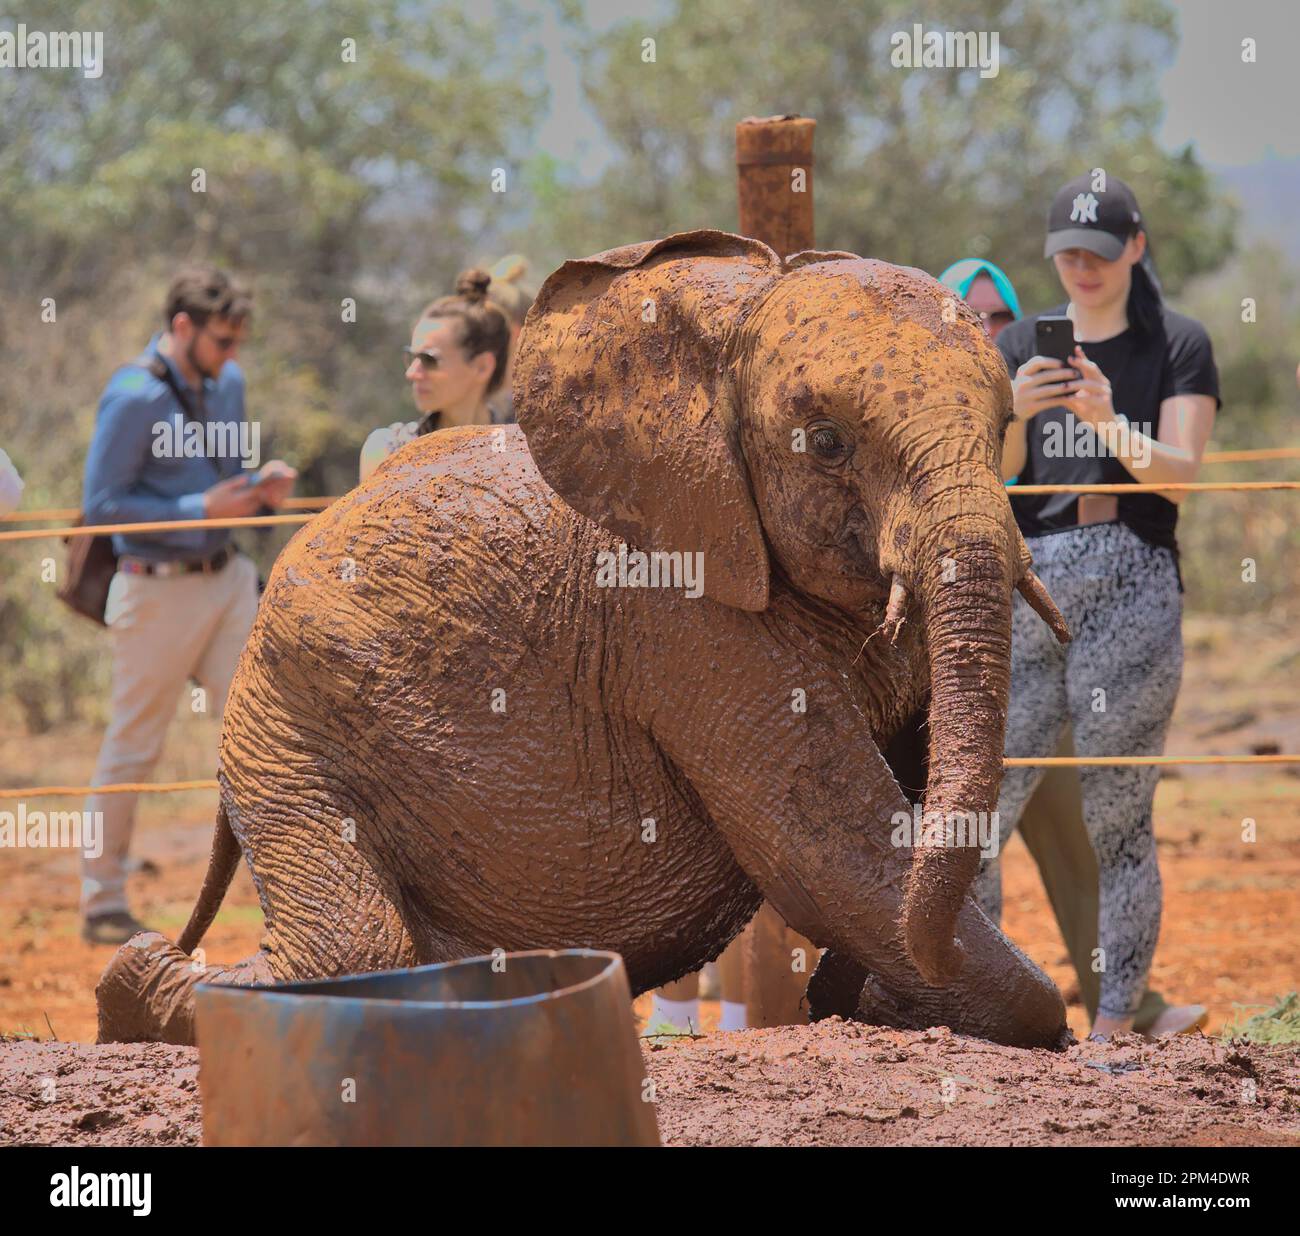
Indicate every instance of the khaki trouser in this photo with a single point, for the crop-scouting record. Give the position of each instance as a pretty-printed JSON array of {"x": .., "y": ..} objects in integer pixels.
[
  {"x": 1052, "y": 826},
  {"x": 163, "y": 631}
]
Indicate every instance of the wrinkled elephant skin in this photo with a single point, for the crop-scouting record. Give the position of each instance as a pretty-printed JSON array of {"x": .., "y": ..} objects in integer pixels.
[{"x": 449, "y": 734}]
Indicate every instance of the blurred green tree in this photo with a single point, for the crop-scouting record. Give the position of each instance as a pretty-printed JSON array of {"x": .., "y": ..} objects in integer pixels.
[
  {"x": 322, "y": 149},
  {"x": 917, "y": 167},
  {"x": 309, "y": 118}
]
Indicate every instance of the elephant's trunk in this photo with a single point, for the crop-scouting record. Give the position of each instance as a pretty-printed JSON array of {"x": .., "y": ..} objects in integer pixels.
[{"x": 963, "y": 571}]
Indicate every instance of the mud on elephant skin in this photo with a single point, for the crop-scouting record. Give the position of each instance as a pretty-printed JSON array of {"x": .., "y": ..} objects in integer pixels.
[{"x": 445, "y": 736}]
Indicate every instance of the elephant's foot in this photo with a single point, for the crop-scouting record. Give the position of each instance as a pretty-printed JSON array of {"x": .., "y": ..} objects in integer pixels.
[
  {"x": 877, "y": 1007},
  {"x": 835, "y": 987},
  {"x": 146, "y": 995},
  {"x": 841, "y": 987}
]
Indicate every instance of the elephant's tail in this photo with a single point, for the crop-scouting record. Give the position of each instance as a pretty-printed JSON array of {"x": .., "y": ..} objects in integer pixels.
[{"x": 221, "y": 870}]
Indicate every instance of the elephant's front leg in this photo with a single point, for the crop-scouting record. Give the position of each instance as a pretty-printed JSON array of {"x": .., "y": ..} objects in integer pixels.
[{"x": 789, "y": 772}]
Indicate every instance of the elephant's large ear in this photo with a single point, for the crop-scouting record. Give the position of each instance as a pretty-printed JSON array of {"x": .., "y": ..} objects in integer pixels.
[{"x": 623, "y": 385}]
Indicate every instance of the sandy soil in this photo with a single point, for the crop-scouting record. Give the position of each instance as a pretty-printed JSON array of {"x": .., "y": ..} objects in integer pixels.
[
  {"x": 838, "y": 1083},
  {"x": 1230, "y": 926},
  {"x": 832, "y": 1084},
  {"x": 83, "y": 1094}
]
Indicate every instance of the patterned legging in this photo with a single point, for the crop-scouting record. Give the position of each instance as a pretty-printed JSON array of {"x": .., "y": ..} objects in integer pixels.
[{"x": 1116, "y": 684}]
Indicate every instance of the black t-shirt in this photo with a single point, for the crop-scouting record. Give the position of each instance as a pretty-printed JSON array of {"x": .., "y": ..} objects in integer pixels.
[{"x": 1143, "y": 371}]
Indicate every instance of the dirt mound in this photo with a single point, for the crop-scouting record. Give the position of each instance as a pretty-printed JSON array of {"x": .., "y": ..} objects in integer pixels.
[
  {"x": 835, "y": 1083},
  {"x": 839, "y": 1083},
  {"x": 88, "y": 1094}
]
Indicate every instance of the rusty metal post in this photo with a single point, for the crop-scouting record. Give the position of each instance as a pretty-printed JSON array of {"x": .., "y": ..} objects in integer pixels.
[
  {"x": 774, "y": 184},
  {"x": 774, "y": 181}
]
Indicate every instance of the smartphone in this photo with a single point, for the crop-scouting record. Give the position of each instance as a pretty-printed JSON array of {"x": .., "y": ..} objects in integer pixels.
[{"x": 1054, "y": 338}]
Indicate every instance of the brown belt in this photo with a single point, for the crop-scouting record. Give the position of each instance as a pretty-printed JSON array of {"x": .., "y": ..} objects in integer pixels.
[
  {"x": 142, "y": 566},
  {"x": 1097, "y": 508}
]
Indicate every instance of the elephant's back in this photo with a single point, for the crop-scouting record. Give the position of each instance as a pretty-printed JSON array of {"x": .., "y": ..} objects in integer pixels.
[
  {"x": 447, "y": 549},
  {"x": 394, "y": 621}
]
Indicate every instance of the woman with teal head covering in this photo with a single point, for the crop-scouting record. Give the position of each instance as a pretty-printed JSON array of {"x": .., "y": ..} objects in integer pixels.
[{"x": 993, "y": 296}]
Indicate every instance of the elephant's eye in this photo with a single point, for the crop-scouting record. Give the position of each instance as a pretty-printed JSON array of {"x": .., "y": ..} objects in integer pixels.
[{"x": 827, "y": 444}]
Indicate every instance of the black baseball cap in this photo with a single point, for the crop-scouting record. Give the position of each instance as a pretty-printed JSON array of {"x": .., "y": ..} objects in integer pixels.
[{"x": 1100, "y": 221}]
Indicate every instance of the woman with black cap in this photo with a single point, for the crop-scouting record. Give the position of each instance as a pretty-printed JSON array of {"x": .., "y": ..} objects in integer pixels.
[{"x": 1136, "y": 403}]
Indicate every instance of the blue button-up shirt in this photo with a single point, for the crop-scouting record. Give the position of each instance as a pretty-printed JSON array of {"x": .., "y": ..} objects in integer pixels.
[{"x": 135, "y": 471}]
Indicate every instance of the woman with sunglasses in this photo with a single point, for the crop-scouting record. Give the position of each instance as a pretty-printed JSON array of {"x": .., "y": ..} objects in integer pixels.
[
  {"x": 986, "y": 289},
  {"x": 456, "y": 359},
  {"x": 1135, "y": 403}
]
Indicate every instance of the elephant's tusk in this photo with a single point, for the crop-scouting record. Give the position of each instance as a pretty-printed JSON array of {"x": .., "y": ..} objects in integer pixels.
[
  {"x": 1035, "y": 592},
  {"x": 896, "y": 610}
]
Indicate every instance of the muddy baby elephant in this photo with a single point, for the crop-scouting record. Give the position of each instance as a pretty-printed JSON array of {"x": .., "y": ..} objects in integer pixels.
[{"x": 612, "y": 677}]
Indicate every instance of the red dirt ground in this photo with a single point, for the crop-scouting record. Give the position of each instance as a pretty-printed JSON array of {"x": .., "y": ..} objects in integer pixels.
[
  {"x": 836, "y": 1083},
  {"x": 1230, "y": 928}
]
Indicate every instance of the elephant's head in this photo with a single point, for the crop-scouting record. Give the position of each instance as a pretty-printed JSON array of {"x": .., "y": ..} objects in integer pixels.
[{"x": 831, "y": 419}]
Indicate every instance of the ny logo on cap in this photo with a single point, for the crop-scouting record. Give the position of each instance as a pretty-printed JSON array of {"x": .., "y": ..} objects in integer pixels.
[{"x": 1084, "y": 209}]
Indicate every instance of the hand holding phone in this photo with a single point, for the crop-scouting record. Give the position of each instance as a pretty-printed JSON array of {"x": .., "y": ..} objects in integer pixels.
[
  {"x": 232, "y": 498},
  {"x": 1054, "y": 339},
  {"x": 1046, "y": 379},
  {"x": 273, "y": 482}
]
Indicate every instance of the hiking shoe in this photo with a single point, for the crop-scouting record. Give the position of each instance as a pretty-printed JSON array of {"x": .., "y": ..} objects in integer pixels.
[
  {"x": 1178, "y": 1019},
  {"x": 142, "y": 866},
  {"x": 116, "y": 927}
]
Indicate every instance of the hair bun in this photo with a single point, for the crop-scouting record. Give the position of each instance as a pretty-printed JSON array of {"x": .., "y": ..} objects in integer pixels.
[{"x": 473, "y": 284}]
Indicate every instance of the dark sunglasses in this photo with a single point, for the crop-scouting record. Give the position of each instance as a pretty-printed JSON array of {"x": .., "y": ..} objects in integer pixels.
[
  {"x": 1002, "y": 316},
  {"x": 224, "y": 343},
  {"x": 428, "y": 361}
]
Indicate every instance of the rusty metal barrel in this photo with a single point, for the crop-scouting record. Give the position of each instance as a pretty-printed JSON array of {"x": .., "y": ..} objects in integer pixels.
[{"x": 515, "y": 1049}]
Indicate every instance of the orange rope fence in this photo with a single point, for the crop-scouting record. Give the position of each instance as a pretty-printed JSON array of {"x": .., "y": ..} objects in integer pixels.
[
  {"x": 1056, "y": 761},
  {"x": 162, "y": 525},
  {"x": 316, "y": 504},
  {"x": 1190, "y": 487},
  {"x": 305, "y": 507},
  {"x": 270, "y": 521},
  {"x": 123, "y": 787},
  {"x": 1268, "y": 452},
  {"x": 71, "y": 512},
  {"x": 1126, "y": 761}
]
